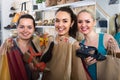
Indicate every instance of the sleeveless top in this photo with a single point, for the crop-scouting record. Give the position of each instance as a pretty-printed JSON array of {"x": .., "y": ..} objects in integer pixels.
[
  {"x": 101, "y": 49},
  {"x": 117, "y": 37}
]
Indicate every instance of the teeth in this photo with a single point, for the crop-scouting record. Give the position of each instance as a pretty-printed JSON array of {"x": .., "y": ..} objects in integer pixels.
[
  {"x": 25, "y": 34},
  {"x": 60, "y": 29},
  {"x": 84, "y": 29}
]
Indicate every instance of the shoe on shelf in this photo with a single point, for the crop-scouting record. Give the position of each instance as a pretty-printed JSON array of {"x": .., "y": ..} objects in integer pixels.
[
  {"x": 12, "y": 8},
  {"x": 13, "y": 27},
  {"x": 12, "y": 15},
  {"x": 7, "y": 27},
  {"x": 10, "y": 27}
]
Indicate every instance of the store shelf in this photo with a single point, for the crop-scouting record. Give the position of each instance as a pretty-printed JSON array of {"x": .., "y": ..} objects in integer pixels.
[
  {"x": 46, "y": 29},
  {"x": 45, "y": 26},
  {"x": 73, "y": 5}
]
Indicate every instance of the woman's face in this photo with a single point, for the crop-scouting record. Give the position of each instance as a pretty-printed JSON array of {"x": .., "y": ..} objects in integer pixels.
[
  {"x": 63, "y": 23},
  {"x": 85, "y": 22},
  {"x": 25, "y": 28}
]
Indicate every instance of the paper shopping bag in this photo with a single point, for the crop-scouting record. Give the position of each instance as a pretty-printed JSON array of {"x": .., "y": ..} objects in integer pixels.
[
  {"x": 4, "y": 68},
  {"x": 108, "y": 69}
]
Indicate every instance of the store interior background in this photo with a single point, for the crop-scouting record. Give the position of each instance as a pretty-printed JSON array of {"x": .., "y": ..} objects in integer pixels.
[{"x": 107, "y": 12}]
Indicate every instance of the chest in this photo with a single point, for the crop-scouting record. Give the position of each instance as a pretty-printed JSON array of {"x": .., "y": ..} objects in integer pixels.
[
  {"x": 94, "y": 43},
  {"x": 23, "y": 48}
]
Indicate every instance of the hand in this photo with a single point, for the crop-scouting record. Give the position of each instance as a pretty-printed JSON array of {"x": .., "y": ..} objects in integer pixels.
[
  {"x": 112, "y": 46},
  {"x": 9, "y": 43},
  {"x": 90, "y": 60},
  {"x": 32, "y": 67}
]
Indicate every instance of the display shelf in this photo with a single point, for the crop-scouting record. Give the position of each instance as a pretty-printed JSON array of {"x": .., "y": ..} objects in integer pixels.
[
  {"x": 45, "y": 26},
  {"x": 46, "y": 29},
  {"x": 73, "y": 5}
]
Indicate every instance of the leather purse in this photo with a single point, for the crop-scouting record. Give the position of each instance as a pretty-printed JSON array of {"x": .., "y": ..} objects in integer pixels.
[{"x": 86, "y": 51}]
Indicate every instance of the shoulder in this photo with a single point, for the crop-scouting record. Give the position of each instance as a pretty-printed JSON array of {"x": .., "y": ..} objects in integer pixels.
[
  {"x": 108, "y": 36},
  {"x": 76, "y": 45},
  {"x": 8, "y": 43},
  {"x": 72, "y": 40}
]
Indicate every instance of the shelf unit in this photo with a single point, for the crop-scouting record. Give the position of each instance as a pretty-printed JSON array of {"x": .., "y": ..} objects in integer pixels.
[
  {"x": 73, "y": 5},
  {"x": 50, "y": 29}
]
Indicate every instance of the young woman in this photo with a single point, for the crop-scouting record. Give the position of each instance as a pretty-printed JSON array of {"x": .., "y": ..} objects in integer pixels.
[
  {"x": 86, "y": 23},
  {"x": 65, "y": 65},
  {"x": 21, "y": 51}
]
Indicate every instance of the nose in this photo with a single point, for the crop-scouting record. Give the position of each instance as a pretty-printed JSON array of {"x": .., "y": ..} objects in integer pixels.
[
  {"x": 83, "y": 23},
  {"x": 25, "y": 29},
  {"x": 60, "y": 23}
]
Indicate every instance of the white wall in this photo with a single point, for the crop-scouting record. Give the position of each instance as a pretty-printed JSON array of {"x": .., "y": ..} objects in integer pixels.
[
  {"x": 110, "y": 9},
  {"x": 5, "y": 11},
  {"x": 5, "y": 20}
]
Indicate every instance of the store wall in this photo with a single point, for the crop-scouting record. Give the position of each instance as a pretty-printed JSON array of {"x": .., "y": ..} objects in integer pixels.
[
  {"x": 110, "y": 9},
  {"x": 5, "y": 20},
  {"x": 5, "y": 11}
]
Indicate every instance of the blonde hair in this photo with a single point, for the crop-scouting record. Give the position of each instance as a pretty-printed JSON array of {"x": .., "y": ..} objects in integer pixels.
[{"x": 92, "y": 13}]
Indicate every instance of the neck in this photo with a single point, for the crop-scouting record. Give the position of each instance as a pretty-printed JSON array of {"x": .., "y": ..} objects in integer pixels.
[
  {"x": 23, "y": 42},
  {"x": 91, "y": 36},
  {"x": 62, "y": 38}
]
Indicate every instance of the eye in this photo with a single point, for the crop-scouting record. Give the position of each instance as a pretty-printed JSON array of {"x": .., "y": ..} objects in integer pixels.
[
  {"x": 80, "y": 21},
  {"x": 21, "y": 26},
  {"x": 87, "y": 21},
  {"x": 57, "y": 20},
  {"x": 65, "y": 21},
  {"x": 30, "y": 27}
]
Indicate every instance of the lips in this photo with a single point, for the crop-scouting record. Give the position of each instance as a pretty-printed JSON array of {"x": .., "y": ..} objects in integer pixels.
[
  {"x": 84, "y": 28},
  {"x": 61, "y": 29},
  {"x": 25, "y": 34}
]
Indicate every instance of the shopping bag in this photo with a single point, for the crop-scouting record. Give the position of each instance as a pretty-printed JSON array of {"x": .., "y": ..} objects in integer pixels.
[
  {"x": 11, "y": 63},
  {"x": 4, "y": 69},
  {"x": 108, "y": 69}
]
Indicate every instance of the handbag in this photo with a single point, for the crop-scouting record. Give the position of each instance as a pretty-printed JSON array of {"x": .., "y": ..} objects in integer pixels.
[
  {"x": 61, "y": 2},
  {"x": 50, "y": 3},
  {"x": 70, "y": 1},
  {"x": 109, "y": 69}
]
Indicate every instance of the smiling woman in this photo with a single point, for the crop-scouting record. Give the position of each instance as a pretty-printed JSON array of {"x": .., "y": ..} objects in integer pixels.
[
  {"x": 65, "y": 65},
  {"x": 23, "y": 53},
  {"x": 86, "y": 23}
]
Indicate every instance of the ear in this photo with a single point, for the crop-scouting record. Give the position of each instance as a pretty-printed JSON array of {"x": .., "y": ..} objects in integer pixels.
[
  {"x": 72, "y": 23},
  {"x": 94, "y": 22}
]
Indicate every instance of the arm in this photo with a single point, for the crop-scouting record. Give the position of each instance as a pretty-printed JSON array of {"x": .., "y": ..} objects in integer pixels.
[{"x": 111, "y": 44}]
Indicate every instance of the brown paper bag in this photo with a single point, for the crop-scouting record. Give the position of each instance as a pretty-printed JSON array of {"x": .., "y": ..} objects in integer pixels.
[
  {"x": 108, "y": 69},
  {"x": 65, "y": 65},
  {"x": 4, "y": 68}
]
